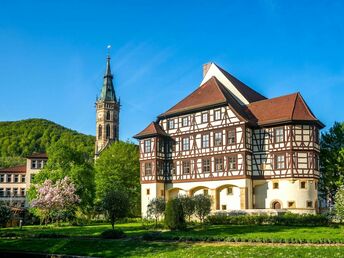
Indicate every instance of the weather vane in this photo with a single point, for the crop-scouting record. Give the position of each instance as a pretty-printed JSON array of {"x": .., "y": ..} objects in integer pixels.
[{"x": 109, "y": 48}]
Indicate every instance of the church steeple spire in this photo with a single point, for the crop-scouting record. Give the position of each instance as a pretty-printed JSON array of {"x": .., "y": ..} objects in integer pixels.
[
  {"x": 108, "y": 108},
  {"x": 108, "y": 91}
]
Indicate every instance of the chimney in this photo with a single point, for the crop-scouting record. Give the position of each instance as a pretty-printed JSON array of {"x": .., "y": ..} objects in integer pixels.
[{"x": 206, "y": 68}]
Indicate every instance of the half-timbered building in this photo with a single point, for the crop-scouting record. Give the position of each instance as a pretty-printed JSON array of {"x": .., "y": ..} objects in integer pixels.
[{"x": 230, "y": 142}]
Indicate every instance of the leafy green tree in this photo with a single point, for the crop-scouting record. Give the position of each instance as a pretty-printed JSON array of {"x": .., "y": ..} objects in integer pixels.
[
  {"x": 5, "y": 214},
  {"x": 115, "y": 203},
  {"x": 156, "y": 208},
  {"x": 65, "y": 161},
  {"x": 202, "y": 206},
  {"x": 339, "y": 203},
  {"x": 188, "y": 204},
  {"x": 174, "y": 215},
  {"x": 119, "y": 166},
  {"x": 332, "y": 161}
]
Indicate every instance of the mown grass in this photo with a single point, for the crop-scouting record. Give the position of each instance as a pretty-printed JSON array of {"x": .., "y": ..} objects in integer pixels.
[
  {"x": 130, "y": 248},
  {"x": 85, "y": 240},
  {"x": 242, "y": 231}
]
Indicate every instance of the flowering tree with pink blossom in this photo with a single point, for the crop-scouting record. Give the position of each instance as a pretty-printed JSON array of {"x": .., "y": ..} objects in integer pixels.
[{"x": 53, "y": 199}]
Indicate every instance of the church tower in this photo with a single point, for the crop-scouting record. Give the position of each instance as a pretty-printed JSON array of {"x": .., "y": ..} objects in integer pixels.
[{"x": 108, "y": 107}]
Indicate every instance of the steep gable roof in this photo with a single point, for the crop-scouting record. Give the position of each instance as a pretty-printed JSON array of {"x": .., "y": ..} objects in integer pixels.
[
  {"x": 282, "y": 109},
  {"x": 212, "y": 92},
  {"x": 250, "y": 94},
  {"x": 152, "y": 129}
]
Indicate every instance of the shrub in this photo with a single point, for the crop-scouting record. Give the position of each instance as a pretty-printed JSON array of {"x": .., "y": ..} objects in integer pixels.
[
  {"x": 112, "y": 234},
  {"x": 5, "y": 214},
  {"x": 202, "y": 206},
  {"x": 288, "y": 219},
  {"x": 188, "y": 204},
  {"x": 174, "y": 217},
  {"x": 156, "y": 208}
]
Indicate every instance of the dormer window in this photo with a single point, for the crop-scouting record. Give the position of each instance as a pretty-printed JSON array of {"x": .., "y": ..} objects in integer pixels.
[{"x": 147, "y": 146}]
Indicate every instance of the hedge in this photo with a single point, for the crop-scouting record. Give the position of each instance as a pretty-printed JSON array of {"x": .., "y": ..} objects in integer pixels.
[{"x": 287, "y": 219}]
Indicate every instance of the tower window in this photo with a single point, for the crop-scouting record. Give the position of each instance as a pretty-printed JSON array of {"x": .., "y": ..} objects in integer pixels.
[
  {"x": 186, "y": 167},
  {"x": 108, "y": 115},
  {"x": 148, "y": 169},
  {"x": 232, "y": 162},
  {"x": 206, "y": 165},
  {"x": 231, "y": 136},
  {"x": 275, "y": 185},
  {"x": 186, "y": 144},
  {"x": 100, "y": 131},
  {"x": 280, "y": 162},
  {"x": 218, "y": 164},
  {"x": 147, "y": 146},
  {"x": 107, "y": 131},
  {"x": 303, "y": 185}
]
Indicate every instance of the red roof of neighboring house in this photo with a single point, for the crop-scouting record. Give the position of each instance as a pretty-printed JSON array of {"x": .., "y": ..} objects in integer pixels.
[
  {"x": 38, "y": 155},
  {"x": 16, "y": 169},
  {"x": 281, "y": 109},
  {"x": 151, "y": 130}
]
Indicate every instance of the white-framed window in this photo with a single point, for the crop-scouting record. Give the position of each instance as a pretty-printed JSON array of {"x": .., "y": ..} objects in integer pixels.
[
  {"x": 170, "y": 124},
  {"x": 231, "y": 136},
  {"x": 185, "y": 121},
  {"x": 186, "y": 144},
  {"x": 280, "y": 161},
  {"x": 279, "y": 135},
  {"x": 9, "y": 178},
  {"x": 2, "y": 178},
  {"x": 303, "y": 185},
  {"x": 205, "y": 117},
  {"x": 148, "y": 169},
  {"x": 206, "y": 165},
  {"x": 22, "y": 191},
  {"x": 218, "y": 139},
  {"x": 205, "y": 141},
  {"x": 147, "y": 146},
  {"x": 186, "y": 167},
  {"x": 232, "y": 162},
  {"x": 34, "y": 164},
  {"x": 16, "y": 178},
  {"x": 218, "y": 164},
  {"x": 2, "y": 192},
  {"x": 217, "y": 114}
]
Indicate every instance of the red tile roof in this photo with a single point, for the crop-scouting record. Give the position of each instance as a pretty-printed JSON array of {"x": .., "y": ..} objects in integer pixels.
[
  {"x": 282, "y": 109},
  {"x": 152, "y": 129},
  {"x": 38, "y": 155},
  {"x": 210, "y": 93},
  {"x": 17, "y": 169}
]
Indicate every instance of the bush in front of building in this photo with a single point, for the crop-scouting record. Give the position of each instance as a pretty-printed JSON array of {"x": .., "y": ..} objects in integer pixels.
[
  {"x": 5, "y": 215},
  {"x": 202, "y": 206},
  {"x": 174, "y": 215},
  {"x": 287, "y": 219}
]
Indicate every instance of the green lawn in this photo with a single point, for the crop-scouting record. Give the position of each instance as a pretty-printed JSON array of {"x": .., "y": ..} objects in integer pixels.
[{"x": 85, "y": 241}]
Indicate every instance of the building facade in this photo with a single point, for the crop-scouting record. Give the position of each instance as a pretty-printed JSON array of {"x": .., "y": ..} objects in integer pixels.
[
  {"x": 107, "y": 113},
  {"x": 230, "y": 142},
  {"x": 15, "y": 181}
]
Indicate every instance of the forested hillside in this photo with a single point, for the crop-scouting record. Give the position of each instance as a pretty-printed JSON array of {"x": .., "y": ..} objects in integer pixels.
[{"x": 21, "y": 138}]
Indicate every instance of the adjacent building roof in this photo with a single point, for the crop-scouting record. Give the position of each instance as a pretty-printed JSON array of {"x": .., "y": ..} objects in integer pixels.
[
  {"x": 17, "y": 169},
  {"x": 38, "y": 155},
  {"x": 153, "y": 129},
  {"x": 282, "y": 109}
]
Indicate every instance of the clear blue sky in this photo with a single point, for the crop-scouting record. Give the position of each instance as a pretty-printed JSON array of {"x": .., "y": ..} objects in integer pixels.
[{"x": 52, "y": 55}]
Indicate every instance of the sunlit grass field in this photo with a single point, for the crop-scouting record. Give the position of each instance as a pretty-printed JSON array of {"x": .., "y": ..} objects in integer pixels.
[{"x": 85, "y": 240}]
